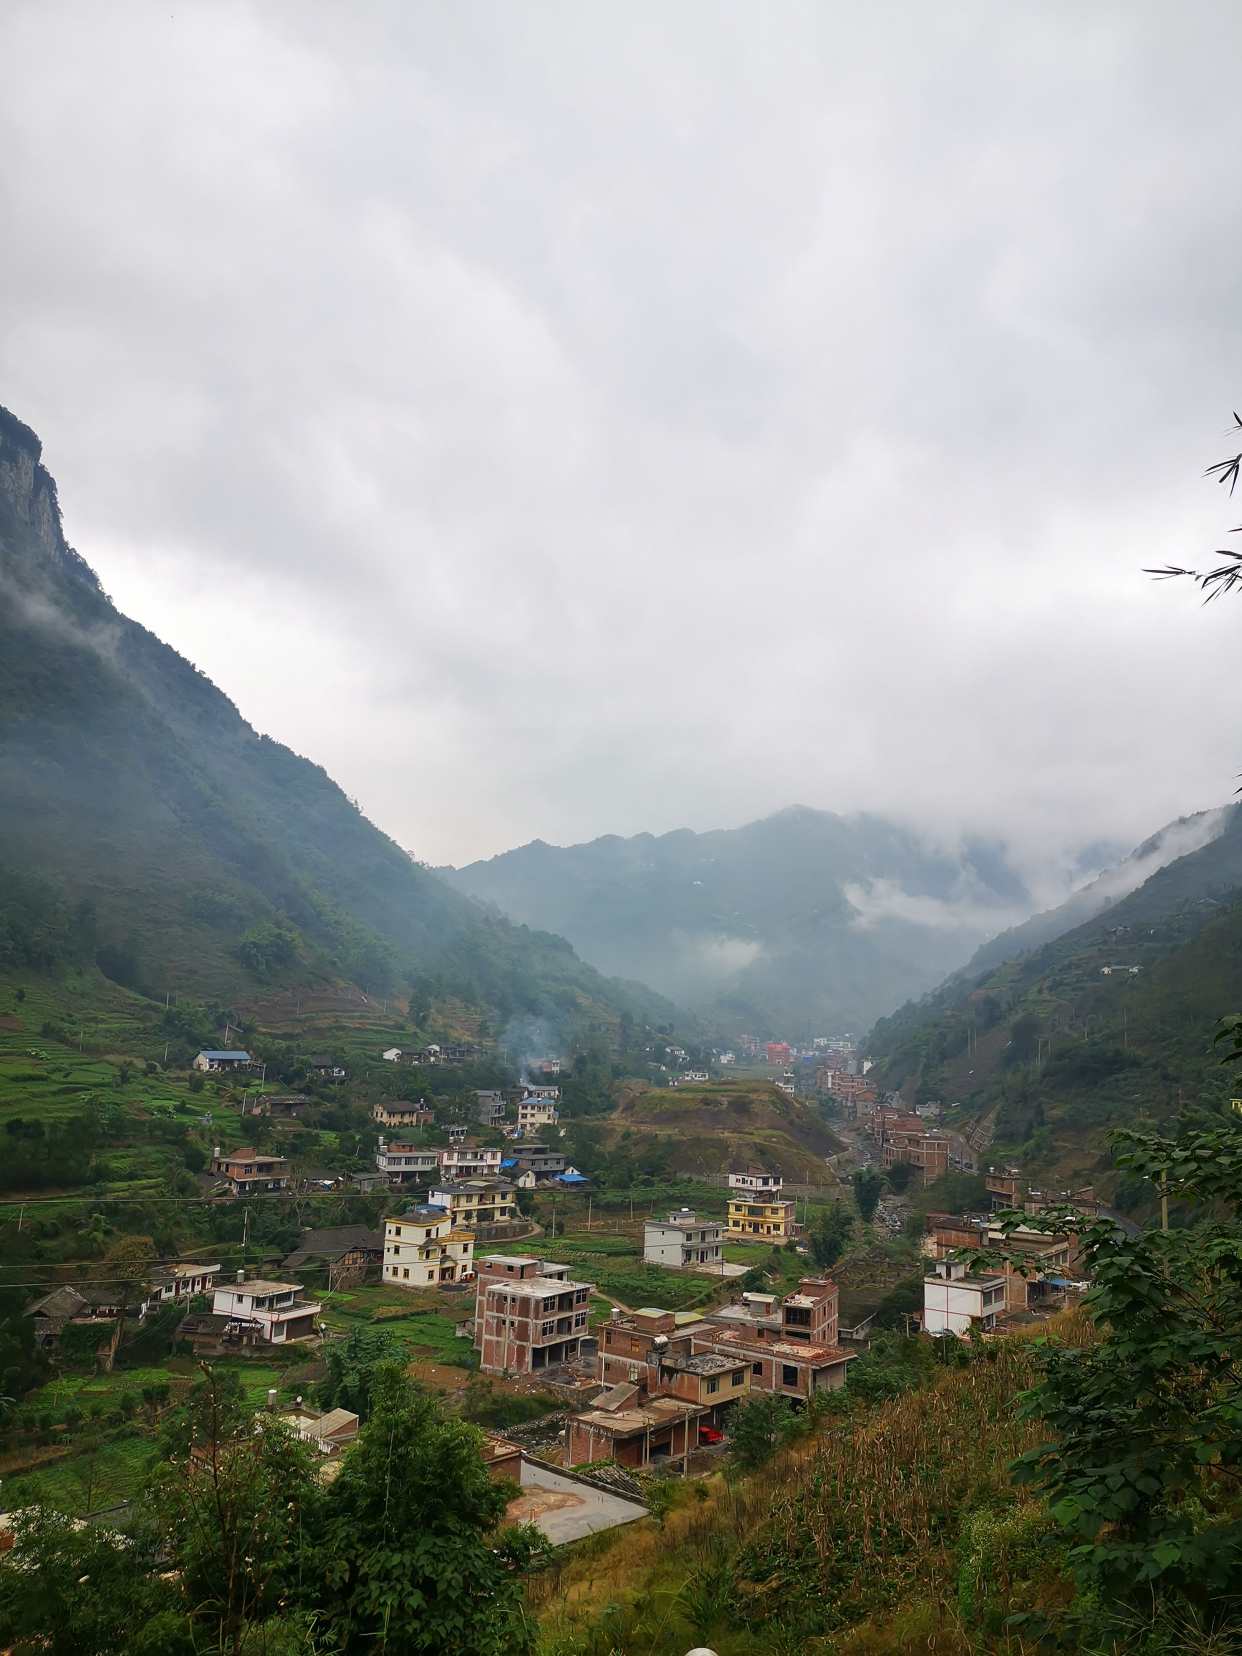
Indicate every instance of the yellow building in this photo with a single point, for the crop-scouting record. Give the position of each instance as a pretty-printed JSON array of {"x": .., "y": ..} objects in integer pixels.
[
  {"x": 423, "y": 1248},
  {"x": 755, "y": 1217}
]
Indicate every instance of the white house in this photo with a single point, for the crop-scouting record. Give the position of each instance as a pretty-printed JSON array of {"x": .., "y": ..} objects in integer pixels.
[
  {"x": 275, "y": 1311},
  {"x": 752, "y": 1179},
  {"x": 954, "y": 1301},
  {"x": 469, "y": 1161},
  {"x": 682, "y": 1241},
  {"x": 392, "y": 1056},
  {"x": 175, "y": 1282},
  {"x": 217, "y": 1062},
  {"x": 401, "y": 1162}
]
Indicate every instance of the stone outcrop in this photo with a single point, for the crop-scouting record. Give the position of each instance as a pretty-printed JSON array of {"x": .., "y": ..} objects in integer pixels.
[{"x": 30, "y": 490}]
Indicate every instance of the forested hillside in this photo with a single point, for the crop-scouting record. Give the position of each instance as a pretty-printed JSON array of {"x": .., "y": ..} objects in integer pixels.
[
  {"x": 147, "y": 827},
  {"x": 1107, "y": 1025}
]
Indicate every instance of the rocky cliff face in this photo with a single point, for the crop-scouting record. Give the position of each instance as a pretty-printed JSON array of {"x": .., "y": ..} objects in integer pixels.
[{"x": 30, "y": 490}]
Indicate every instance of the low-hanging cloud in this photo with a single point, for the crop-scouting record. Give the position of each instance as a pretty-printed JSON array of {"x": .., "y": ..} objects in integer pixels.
[{"x": 563, "y": 420}]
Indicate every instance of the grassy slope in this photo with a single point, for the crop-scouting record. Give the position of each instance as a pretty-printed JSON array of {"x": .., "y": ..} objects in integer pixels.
[{"x": 885, "y": 1532}]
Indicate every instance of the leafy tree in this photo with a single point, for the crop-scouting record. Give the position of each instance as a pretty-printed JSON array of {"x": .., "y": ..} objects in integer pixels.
[
  {"x": 66, "y": 1590},
  {"x": 830, "y": 1234},
  {"x": 1141, "y": 1467},
  {"x": 230, "y": 1505},
  {"x": 761, "y": 1428},
  {"x": 899, "y": 1176},
  {"x": 411, "y": 1556},
  {"x": 868, "y": 1186},
  {"x": 352, "y": 1366}
]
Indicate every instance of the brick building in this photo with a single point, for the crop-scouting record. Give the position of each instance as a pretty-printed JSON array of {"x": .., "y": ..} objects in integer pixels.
[{"x": 531, "y": 1322}]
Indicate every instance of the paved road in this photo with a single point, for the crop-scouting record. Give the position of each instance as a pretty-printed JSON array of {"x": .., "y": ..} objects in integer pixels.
[{"x": 586, "y": 1509}]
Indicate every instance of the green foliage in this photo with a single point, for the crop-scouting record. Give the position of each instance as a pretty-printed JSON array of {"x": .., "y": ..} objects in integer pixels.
[
  {"x": 900, "y": 1302},
  {"x": 352, "y": 1365},
  {"x": 760, "y": 1428},
  {"x": 868, "y": 1187},
  {"x": 899, "y": 1176},
  {"x": 829, "y": 1234},
  {"x": 411, "y": 1557},
  {"x": 895, "y": 1364},
  {"x": 266, "y": 948},
  {"x": 67, "y": 1591},
  {"x": 1145, "y": 1427},
  {"x": 483, "y": 1406},
  {"x": 38, "y": 929}
]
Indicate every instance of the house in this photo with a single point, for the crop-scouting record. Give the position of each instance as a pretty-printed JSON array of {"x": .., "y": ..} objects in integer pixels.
[
  {"x": 548, "y": 1095},
  {"x": 282, "y": 1106},
  {"x": 423, "y": 1248},
  {"x": 910, "y": 1140},
  {"x": 177, "y": 1282},
  {"x": 956, "y": 1301},
  {"x": 390, "y": 1113},
  {"x": 501, "y": 1458},
  {"x": 709, "y": 1378},
  {"x": 725, "y": 1058},
  {"x": 330, "y": 1432},
  {"x": 757, "y": 1182},
  {"x": 508, "y": 1267},
  {"x": 551, "y": 1065},
  {"x": 108, "y": 1304},
  {"x": 785, "y": 1366},
  {"x": 246, "y": 1171},
  {"x": 469, "y": 1161},
  {"x": 537, "y": 1159},
  {"x": 216, "y": 1063},
  {"x": 266, "y": 1313},
  {"x": 537, "y": 1112},
  {"x": 1005, "y": 1187},
  {"x": 348, "y": 1252},
  {"x": 682, "y": 1241},
  {"x": 472, "y": 1203},
  {"x": 632, "y": 1429},
  {"x": 392, "y": 1055},
  {"x": 1045, "y": 1265},
  {"x": 401, "y": 1163},
  {"x": 491, "y": 1107},
  {"x": 753, "y": 1218},
  {"x": 532, "y": 1323},
  {"x": 810, "y": 1313},
  {"x": 325, "y": 1067}
]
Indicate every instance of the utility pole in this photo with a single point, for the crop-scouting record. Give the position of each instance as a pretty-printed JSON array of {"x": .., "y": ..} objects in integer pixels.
[{"x": 1164, "y": 1200}]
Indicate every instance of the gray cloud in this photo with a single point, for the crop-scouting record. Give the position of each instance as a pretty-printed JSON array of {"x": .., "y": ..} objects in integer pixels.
[{"x": 562, "y": 419}]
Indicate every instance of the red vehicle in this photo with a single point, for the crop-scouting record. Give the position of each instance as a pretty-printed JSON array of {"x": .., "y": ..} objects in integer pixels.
[{"x": 709, "y": 1434}]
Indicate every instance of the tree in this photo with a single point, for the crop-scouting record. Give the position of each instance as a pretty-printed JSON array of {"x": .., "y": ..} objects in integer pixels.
[
  {"x": 412, "y": 1560},
  {"x": 67, "y": 1589},
  {"x": 1228, "y": 575},
  {"x": 1142, "y": 1464},
  {"x": 231, "y": 1504},
  {"x": 899, "y": 1176},
  {"x": 760, "y": 1428},
  {"x": 867, "y": 1185},
  {"x": 830, "y": 1234},
  {"x": 352, "y": 1366}
]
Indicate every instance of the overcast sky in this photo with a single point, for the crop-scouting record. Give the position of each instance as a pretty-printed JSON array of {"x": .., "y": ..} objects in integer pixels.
[{"x": 583, "y": 418}]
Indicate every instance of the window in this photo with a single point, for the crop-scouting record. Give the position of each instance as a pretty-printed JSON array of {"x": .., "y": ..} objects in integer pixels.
[
  {"x": 396, "y": 1230},
  {"x": 406, "y": 1272},
  {"x": 396, "y": 1250},
  {"x": 713, "y": 1385},
  {"x": 548, "y": 1328},
  {"x": 393, "y": 1270},
  {"x": 789, "y": 1375},
  {"x": 736, "y": 1378},
  {"x": 607, "y": 1336},
  {"x": 757, "y": 1370},
  {"x": 634, "y": 1344}
]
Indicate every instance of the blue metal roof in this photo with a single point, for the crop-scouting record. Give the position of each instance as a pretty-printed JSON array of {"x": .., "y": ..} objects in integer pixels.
[
  {"x": 244, "y": 1055},
  {"x": 571, "y": 1178}
]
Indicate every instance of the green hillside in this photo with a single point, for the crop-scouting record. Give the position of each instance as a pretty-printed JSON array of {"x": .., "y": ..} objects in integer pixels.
[
  {"x": 1106, "y": 1025},
  {"x": 148, "y": 828}
]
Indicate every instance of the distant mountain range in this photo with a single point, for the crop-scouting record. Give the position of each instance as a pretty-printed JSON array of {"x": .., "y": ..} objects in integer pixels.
[
  {"x": 803, "y": 923},
  {"x": 146, "y": 827}
]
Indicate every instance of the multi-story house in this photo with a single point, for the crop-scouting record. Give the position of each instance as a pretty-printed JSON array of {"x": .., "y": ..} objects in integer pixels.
[
  {"x": 475, "y": 1202},
  {"x": 267, "y": 1312},
  {"x": 535, "y": 1158},
  {"x": 219, "y": 1063},
  {"x": 532, "y": 1323},
  {"x": 406, "y": 1163},
  {"x": 469, "y": 1161},
  {"x": 760, "y": 1218},
  {"x": 505, "y": 1267},
  {"x": 909, "y": 1139},
  {"x": 955, "y": 1300},
  {"x": 423, "y": 1248},
  {"x": 491, "y": 1107},
  {"x": 682, "y": 1241},
  {"x": 536, "y": 1112},
  {"x": 246, "y": 1171}
]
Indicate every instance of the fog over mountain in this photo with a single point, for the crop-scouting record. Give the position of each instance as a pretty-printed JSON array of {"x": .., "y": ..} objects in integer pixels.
[{"x": 805, "y": 922}]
